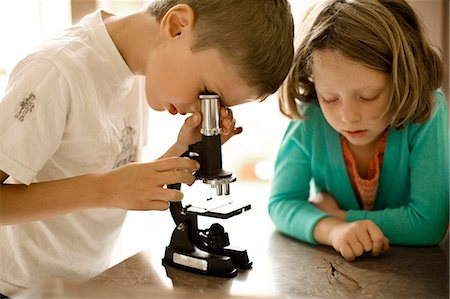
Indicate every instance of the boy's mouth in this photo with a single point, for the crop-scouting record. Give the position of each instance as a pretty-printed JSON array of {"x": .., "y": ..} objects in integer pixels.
[{"x": 172, "y": 109}]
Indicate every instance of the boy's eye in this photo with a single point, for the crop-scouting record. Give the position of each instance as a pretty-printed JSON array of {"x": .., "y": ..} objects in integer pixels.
[{"x": 206, "y": 91}]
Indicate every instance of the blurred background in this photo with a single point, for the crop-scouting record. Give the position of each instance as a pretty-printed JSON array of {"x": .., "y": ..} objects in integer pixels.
[{"x": 250, "y": 155}]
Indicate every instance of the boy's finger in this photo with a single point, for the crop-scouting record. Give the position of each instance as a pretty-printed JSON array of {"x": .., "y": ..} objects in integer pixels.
[
  {"x": 176, "y": 163},
  {"x": 157, "y": 199},
  {"x": 237, "y": 130},
  {"x": 169, "y": 195},
  {"x": 226, "y": 112},
  {"x": 165, "y": 194},
  {"x": 176, "y": 176},
  {"x": 159, "y": 205},
  {"x": 227, "y": 126},
  {"x": 194, "y": 120}
]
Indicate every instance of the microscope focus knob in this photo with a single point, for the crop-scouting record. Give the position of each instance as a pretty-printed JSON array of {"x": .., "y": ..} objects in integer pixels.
[
  {"x": 216, "y": 229},
  {"x": 217, "y": 237}
]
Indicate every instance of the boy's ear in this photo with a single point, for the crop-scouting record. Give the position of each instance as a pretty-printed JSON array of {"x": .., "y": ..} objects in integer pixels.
[{"x": 177, "y": 20}]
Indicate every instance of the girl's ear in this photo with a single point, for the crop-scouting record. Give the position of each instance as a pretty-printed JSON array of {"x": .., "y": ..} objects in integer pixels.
[{"x": 176, "y": 21}]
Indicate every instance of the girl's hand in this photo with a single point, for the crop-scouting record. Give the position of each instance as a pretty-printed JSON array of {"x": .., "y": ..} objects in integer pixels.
[
  {"x": 142, "y": 186},
  {"x": 326, "y": 203},
  {"x": 352, "y": 239}
]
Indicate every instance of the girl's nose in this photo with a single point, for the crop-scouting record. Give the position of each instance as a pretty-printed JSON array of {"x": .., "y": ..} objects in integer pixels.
[{"x": 350, "y": 113}]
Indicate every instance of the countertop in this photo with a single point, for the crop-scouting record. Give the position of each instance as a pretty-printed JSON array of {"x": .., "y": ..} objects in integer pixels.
[{"x": 282, "y": 268}]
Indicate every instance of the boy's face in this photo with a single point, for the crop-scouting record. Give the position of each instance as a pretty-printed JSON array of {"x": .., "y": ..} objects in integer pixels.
[
  {"x": 352, "y": 97},
  {"x": 176, "y": 76}
]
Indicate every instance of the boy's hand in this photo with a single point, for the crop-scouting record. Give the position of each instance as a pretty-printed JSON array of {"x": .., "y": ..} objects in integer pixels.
[
  {"x": 190, "y": 131},
  {"x": 228, "y": 124},
  {"x": 352, "y": 239},
  {"x": 142, "y": 186}
]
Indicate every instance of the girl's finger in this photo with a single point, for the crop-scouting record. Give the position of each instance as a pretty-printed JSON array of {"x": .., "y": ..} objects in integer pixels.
[
  {"x": 365, "y": 241},
  {"x": 347, "y": 252},
  {"x": 377, "y": 237},
  {"x": 355, "y": 245},
  {"x": 385, "y": 244}
]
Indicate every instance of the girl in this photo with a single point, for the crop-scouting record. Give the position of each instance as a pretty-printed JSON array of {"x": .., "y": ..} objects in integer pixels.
[
  {"x": 73, "y": 123},
  {"x": 369, "y": 129}
]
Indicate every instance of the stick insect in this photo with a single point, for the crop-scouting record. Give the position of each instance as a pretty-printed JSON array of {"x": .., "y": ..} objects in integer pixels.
[{"x": 334, "y": 272}]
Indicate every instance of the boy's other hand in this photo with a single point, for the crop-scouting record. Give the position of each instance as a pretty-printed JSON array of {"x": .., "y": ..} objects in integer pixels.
[
  {"x": 190, "y": 131},
  {"x": 352, "y": 239},
  {"x": 228, "y": 124},
  {"x": 141, "y": 186}
]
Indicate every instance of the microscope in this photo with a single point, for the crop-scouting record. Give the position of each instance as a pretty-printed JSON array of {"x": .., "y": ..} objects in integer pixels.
[{"x": 206, "y": 251}]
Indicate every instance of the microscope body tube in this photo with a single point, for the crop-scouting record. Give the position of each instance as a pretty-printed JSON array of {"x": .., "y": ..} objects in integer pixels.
[
  {"x": 211, "y": 140},
  {"x": 211, "y": 153}
]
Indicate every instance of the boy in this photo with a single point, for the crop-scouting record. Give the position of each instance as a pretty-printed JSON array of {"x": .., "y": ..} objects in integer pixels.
[{"x": 72, "y": 120}]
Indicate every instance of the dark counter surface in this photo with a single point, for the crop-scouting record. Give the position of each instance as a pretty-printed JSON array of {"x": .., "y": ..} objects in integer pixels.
[{"x": 282, "y": 268}]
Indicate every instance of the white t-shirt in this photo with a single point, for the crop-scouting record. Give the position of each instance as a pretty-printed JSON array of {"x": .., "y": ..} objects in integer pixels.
[{"x": 72, "y": 107}]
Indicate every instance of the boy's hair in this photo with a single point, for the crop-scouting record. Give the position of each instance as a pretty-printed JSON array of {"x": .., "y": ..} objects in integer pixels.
[
  {"x": 256, "y": 36},
  {"x": 384, "y": 35}
]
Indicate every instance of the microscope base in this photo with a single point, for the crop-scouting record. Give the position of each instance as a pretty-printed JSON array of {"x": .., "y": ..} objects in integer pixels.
[{"x": 199, "y": 261}]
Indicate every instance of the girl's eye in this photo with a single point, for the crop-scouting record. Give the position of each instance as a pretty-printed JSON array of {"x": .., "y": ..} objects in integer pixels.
[
  {"x": 368, "y": 99},
  {"x": 331, "y": 100}
]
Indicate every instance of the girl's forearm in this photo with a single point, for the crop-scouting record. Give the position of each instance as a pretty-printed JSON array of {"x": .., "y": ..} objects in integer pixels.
[
  {"x": 340, "y": 214},
  {"x": 323, "y": 228},
  {"x": 21, "y": 203}
]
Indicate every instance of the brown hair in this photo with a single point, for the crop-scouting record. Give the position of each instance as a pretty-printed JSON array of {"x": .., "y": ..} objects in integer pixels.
[
  {"x": 384, "y": 35},
  {"x": 256, "y": 35}
]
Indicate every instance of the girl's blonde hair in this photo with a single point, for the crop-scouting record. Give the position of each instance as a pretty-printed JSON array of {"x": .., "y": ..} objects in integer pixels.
[{"x": 384, "y": 35}]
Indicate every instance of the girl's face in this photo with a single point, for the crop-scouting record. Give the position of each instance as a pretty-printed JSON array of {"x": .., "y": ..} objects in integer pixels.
[{"x": 352, "y": 97}]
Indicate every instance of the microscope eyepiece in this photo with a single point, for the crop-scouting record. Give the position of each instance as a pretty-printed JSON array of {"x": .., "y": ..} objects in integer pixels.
[{"x": 210, "y": 105}]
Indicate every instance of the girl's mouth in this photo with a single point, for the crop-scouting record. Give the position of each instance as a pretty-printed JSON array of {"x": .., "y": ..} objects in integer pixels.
[{"x": 356, "y": 134}]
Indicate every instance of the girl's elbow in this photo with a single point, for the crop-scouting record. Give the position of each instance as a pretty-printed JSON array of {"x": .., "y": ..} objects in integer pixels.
[
  {"x": 434, "y": 235},
  {"x": 438, "y": 236}
]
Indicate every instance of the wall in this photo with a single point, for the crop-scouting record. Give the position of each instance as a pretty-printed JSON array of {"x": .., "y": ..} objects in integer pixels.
[{"x": 435, "y": 14}]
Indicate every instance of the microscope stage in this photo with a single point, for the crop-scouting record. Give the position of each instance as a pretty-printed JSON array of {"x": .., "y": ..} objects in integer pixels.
[{"x": 199, "y": 201}]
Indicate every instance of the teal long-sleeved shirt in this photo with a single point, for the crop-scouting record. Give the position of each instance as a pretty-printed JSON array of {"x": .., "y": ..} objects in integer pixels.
[{"x": 412, "y": 202}]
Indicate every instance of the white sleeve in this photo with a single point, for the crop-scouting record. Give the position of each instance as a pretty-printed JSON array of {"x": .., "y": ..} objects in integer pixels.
[{"x": 33, "y": 115}]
